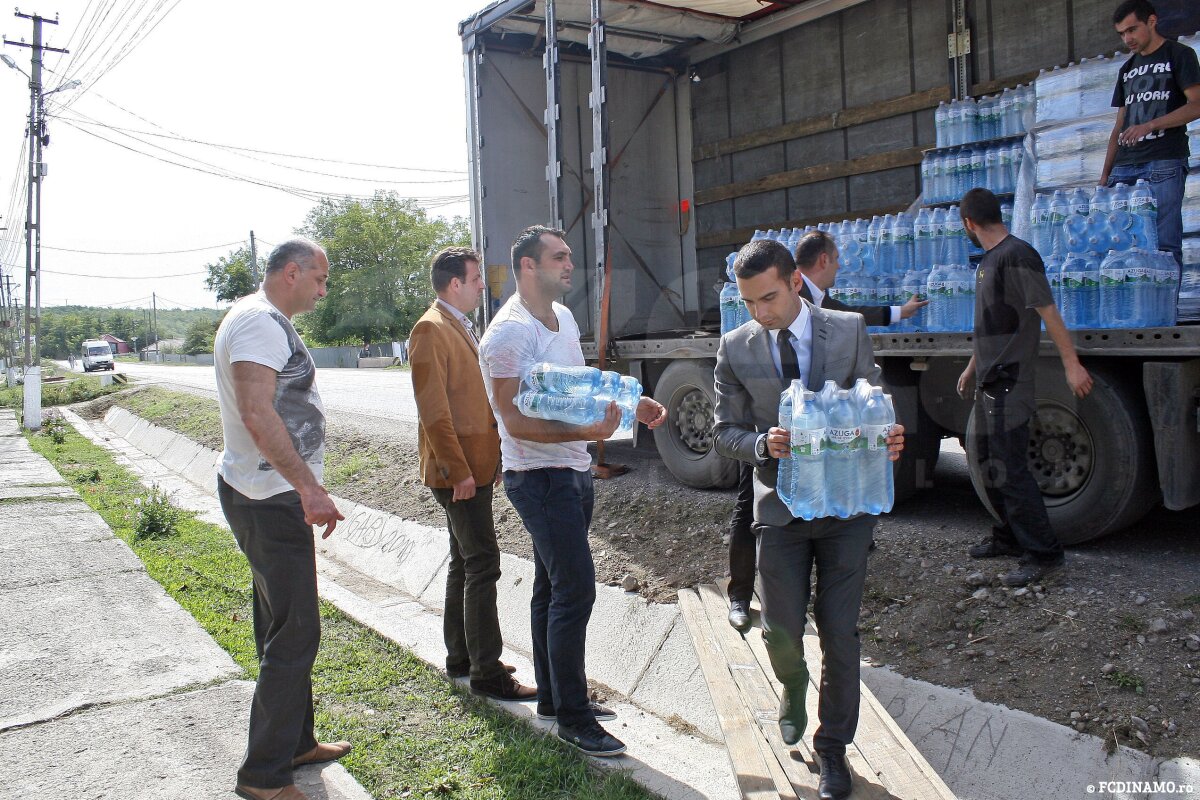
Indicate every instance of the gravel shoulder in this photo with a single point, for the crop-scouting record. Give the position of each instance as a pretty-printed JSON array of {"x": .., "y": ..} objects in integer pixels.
[{"x": 1111, "y": 647}]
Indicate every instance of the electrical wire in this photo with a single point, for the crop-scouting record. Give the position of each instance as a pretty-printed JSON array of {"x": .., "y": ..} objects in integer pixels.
[{"x": 139, "y": 253}]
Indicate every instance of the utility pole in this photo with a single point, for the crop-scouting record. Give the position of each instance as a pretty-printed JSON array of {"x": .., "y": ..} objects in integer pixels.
[
  {"x": 253, "y": 261},
  {"x": 33, "y": 202},
  {"x": 154, "y": 326}
]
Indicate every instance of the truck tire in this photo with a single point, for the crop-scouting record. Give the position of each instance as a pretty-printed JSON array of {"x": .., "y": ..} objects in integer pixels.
[
  {"x": 1094, "y": 460},
  {"x": 685, "y": 440}
]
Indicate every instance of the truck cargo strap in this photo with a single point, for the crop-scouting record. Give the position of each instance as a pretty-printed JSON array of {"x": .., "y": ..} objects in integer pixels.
[{"x": 746, "y": 696}]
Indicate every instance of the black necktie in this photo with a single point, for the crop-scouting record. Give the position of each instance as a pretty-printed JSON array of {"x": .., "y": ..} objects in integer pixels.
[{"x": 787, "y": 357}]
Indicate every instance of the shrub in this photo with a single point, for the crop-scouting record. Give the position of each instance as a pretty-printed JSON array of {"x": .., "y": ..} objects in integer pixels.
[{"x": 156, "y": 517}]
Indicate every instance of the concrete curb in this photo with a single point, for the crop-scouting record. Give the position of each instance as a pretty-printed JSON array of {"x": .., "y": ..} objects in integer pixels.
[{"x": 389, "y": 573}]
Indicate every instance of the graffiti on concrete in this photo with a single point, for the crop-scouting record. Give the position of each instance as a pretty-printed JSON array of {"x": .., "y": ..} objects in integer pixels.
[
  {"x": 366, "y": 531},
  {"x": 970, "y": 735}
]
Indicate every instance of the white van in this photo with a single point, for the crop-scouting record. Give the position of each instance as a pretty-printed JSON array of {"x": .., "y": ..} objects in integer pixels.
[{"x": 97, "y": 355}]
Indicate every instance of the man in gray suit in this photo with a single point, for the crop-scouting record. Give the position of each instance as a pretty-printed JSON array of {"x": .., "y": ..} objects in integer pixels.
[{"x": 788, "y": 339}]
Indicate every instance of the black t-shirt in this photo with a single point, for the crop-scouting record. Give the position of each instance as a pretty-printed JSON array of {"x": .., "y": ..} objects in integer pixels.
[
  {"x": 1010, "y": 285},
  {"x": 1150, "y": 87}
]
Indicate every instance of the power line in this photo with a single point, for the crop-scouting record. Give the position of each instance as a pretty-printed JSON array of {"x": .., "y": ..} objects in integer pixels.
[
  {"x": 139, "y": 253},
  {"x": 125, "y": 277}
]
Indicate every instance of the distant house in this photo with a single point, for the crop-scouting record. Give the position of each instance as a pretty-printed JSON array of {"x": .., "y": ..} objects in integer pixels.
[
  {"x": 167, "y": 345},
  {"x": 118, "y": 346}
]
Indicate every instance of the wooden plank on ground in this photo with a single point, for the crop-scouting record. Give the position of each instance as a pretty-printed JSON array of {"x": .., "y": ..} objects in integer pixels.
[
  {"x": 881, "y": 749},
  {"x": 867, "y": 785},
  {"x": 754, "y": 777}
]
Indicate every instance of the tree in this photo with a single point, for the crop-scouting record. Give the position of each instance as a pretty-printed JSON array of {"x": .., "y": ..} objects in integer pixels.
[
  {"x": 199, "y": 337},
  {"x": 231, "y": 277},
  {"x": 379, "y": 251}
]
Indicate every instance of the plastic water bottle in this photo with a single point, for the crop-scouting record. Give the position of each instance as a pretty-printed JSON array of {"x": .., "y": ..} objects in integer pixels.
[
  {"x": 961, "y": 291},
  {"x": 941, "y": 124},
  {"x": 1119, "y": 227},
  {"x": 875, "y": 477},
  {"x": 1120, "y": 197},
  {"x": 1102, "y": 200},
  {"x": 935, "y": 291},
  {"x": 570, "y": 380},
  {"x": 1054, "y": 278},
  {"x": 1114, "y": 291},
  {"x": 862, "y": 237},
  {"x": 956, "y": 238},
  {"x": 1075, "y": 234},
  {"x": 962, "y": 172},
  {"x": 843, "y": 450},
  {"x": 859, "y": 393},
  {"x": 808, "y": 457},
  {"x": 978, "y": 175},
  {"x": 730, "y": 300},
  {"x": 1016, "y": 154},
  {"x": 903, "y": 245},
  {"x": 970, "y": 117},
  {"x": 914, "y": 284},
  {"x": 784, "y": 479},
  {"x": 1144, "y": 206},
  {"x": 1081, "y": 204},
  {"x": 1169, "y": 279},
  {"x": 1089, "y": 288},
  {"x": 887, "y": 244},
  {"x": 991, "y": 170},
  {"x": 922, "y": 239},
  {"x": 1006, "y": 214},
  {"x": 1142, "y": 295},
  {"x": 1039, "y": 225},
  {"x": 939, "y": 238},
  {"x": 828, "y": 395},
  {"x": 574, "y": 409},
  {"x": 1059, "y": 209},
  {"x": 1070, "y": 281}
]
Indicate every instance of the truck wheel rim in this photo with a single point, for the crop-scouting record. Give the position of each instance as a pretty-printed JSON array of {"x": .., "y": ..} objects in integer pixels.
[
  {"x": 1061, "y": 450},
  {"x": 694, "y": 421}
]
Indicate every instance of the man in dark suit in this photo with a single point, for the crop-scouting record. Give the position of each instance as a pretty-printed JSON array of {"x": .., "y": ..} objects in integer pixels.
[
  {"x": 790, "y": 338},
  {"x": 817, "y": 259},
  {"x": 458, "y": 444}
]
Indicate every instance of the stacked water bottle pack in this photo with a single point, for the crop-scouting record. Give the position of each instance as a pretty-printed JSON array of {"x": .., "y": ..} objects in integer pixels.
[
  {"x": 733, "y": 311},
  {"x": 1101, "y": 257},
  {"x": 946, "y": 175},
  {"x": 1072, "y": 154},
  {"x": 1071, "y": 93},
  {"x": 838, "y": 465},
  {"x": 1189, "y": 285},
  {"x": 578, "y": 395},
  {"x": 1191, "y": 203},
  {"x": 966, "y": 121}
]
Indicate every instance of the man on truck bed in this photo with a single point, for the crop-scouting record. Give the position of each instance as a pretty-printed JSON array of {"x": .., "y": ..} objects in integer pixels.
[
  {"x": 1157, "y": 95},
  {"x": 1012, "y": 299},
  {"x": 817, "y": 260}
]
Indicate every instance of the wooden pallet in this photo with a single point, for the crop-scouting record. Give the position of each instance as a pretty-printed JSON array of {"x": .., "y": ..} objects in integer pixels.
[{"x": 746, "y": 696}]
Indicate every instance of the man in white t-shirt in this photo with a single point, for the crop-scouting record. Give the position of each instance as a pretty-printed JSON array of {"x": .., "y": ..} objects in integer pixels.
[
  {"x": 270, "y": 488},
  {"x": 548, "y": 479}
]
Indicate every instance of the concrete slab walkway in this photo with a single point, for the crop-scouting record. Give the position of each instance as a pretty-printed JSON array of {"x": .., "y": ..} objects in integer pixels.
[{"x": 108, "y": 688}]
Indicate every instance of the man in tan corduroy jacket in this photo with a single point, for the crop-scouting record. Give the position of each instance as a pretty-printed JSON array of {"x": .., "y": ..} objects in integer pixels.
[{"x": 459, "y": 448}]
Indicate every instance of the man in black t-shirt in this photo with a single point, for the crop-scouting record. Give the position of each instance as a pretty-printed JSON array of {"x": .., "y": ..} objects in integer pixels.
[
  {"x": 1157, "y": 95},
  {"x": 1012, "y": 300}
]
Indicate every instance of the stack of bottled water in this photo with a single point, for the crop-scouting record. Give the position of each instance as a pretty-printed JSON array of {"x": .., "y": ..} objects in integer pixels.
[
  {"x": 965, "y": 121},
  {"x": 1189, "y": 285},
  {"x": 1076, "y": 91},
  {"x": 1072, "y": 222},
  {"x": 1138, "y": 289},
  {"x": 839, "y": 463},
  {"x": 578, "y": 395},
  {"x": 948, "y": 175},
  {"x": 1191, "y": 204},
  {"x": 733, "y": 310}
]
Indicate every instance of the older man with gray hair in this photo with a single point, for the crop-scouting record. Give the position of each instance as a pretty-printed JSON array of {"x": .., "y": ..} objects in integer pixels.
[{"x": 270, "y": 488}]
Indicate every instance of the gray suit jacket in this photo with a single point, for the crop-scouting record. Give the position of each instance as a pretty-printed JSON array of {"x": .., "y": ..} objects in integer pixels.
[{"x": 748, "y": 390}]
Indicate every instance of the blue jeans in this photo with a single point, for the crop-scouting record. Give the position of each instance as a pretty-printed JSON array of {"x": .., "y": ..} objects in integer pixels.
[
  {"x": 1166, "y": 178},
  {"x": 556, "y": 507}
]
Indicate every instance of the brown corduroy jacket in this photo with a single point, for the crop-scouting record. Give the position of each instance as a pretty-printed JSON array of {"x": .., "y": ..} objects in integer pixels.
[{"x": 457, "y": 435}]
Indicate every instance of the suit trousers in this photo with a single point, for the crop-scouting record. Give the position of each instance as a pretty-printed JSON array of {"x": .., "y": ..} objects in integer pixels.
[
  {"x": 278, "y": 543},
  {"x": 742, "y": 541},
  {"x": 556, "y": 506},
  {"x": 786, "y": 557},
  {"x": 470, "y": 624},
  {"x": 1001, "y": 450}
]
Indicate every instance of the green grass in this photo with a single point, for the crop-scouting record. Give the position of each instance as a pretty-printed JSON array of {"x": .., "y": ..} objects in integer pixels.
[
  {"x": 198, "y": 418},
  {"x": 343, "y": 467},
  {"x": 1127, "y": 680},
  {"x": 416, "y": 735},
  {"x": 59, "y": 393},
  {"x": 1130, "y": 623}
]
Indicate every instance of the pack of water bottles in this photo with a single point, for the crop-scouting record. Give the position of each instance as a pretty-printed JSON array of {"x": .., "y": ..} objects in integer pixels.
[
  {"x": 1191, "y": 204},
  {"x": 1189, "y": 284},
  {"x": 1078, "y": 222},
  {"x": 965, "y": 121},
  {"x": 578, "y": 395},
  {"x": 838, "y": 465},
  {"x": 948, "y": 175},
  {"x": 733, "y": 311},
  {"x": 1070, "y": 93}
]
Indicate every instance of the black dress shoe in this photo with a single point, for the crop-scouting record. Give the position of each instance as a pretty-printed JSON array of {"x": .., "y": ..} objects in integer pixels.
[
  {"x": 463, "y": 670},
  {"x": 1030, "y": 571},
  {"x": 990, "y": 548},
  {"x": 836, "y": 778},
  {"x": 503, "y": 688},
  {"x": 739, "y": 615},
  {"x": 793, "y": 716}
]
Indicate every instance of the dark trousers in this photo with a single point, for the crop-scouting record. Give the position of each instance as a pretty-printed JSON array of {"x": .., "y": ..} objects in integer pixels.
[
  {"x": 556, "y": 507},
  {"x": 742, "y": 541},
  {"x": 278, "y": 543},
  {"x": 470, "y": 624},
  {"x": 1001, "y": 450},
  {"x": 786, "y": 557}
]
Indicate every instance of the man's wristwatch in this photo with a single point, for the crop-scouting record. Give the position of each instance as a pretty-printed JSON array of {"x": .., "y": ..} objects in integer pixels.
[{"x": 760, "y": 447}]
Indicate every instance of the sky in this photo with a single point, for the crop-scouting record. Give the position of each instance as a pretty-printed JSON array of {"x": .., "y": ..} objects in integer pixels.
[{"x": 379, "y": 84}]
